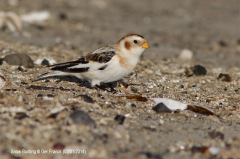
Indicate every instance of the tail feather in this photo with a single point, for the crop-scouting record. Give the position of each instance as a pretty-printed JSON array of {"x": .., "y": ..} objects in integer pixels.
[{"x": 56, "y": 73}]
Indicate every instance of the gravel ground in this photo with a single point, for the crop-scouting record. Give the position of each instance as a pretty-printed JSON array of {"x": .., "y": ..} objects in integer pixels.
[{"x": 38, "y": 115}]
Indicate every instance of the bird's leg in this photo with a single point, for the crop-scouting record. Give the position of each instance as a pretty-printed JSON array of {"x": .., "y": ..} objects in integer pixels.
[
  {"x": 123, "y": 83},
  {"x": 103, "y": 86},
  {"x": 111, "y": 86}
]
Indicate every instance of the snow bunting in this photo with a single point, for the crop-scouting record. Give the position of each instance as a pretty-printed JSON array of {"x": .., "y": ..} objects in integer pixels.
[{"x": 106, "y": 64}]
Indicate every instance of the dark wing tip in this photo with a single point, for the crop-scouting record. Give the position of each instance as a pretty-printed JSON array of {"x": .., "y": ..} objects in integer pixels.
[{"x": 66, "y": 65}]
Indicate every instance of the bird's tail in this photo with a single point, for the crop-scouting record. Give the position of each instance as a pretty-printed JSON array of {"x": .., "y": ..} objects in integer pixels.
[{"x": 55, "y": 74}]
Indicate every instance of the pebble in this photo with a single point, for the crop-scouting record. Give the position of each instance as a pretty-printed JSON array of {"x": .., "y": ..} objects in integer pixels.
[
  {"x": 133, "y": 105},
  {"x": 80, "y": 116},
  {"x": 103, "y": 137},
  {"x": 19, "y": 59},
  {"x": 238, "y": 41},
  {"x": 86, "y": 98},
  {"x": 45, "y": 62},
  {"x": 222, "y": 43},
  {"x": 161, "y": 121},
  {"x": 213, "y": 150},
  {"x": 161, "y": 108},
  {"x": 58, "y": 146},
  {"x": 120, "y": 119},
  {"x": 185, "y": 55},
  {"x": 151, "y": 155},
  {"x": 41, "y": 60},
  {"x": 63, "y": 16},
  {"x": 216, "y": 135},
  {"x": 20, "y": 116},
  {"x": 133, "y": 89},
  {"x": 199, "y": 70}
]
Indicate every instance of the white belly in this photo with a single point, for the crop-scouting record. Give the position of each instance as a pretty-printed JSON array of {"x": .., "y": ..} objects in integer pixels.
[{"x": 113, "y": 72}]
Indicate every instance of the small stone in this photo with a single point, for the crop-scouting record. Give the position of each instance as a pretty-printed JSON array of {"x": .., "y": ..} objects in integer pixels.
[
  {"x": 63, "y": 16},
  {"x": 80, "y": 116},
  {"x": 133, "y": 89},
  {"x": 161, "y": 108},
  {"x": 45, "y": 62},
  {"x": 50, "y": 95},
  {"x": 151, "y": 155},
  {"x": 19, "y": 59},
  {"x": 213, "y": 150},
  {"x": 222, "y": 43},
  {"x": 196, "y": 149},
  {"x": 120, "y": 119},
  {"x": 21, "y": 116},
  {"x": 86, "y": 98},
  {"x": 73, "y": 47},
  {"x": 20, "y": 68},
  {"x": 58, "y": 146},
  {"x": 53, "y": 115},
  {"x": 24, "y": 82},
  {"x": 39, "y": 95},
  {"x": 216, "y": 135},
  {"x": 151, "y": 127},
  {"x": 238, "y": 41},
  {"x": 199, "y": 70},
  {"x": 103, "y": 137},
  {"x": 208, "y": 101},
  {"x": 1, "y": 61},
  {"x": 133, "y": 105},
  {"x": 185, "y": 55},
  {"x": 40, "y": 27},
  {"x": 155, "y": 44},
  {"x": 161, "y": 121}
]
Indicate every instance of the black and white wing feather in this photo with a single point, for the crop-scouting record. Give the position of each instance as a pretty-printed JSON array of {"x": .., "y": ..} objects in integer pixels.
[
  {"x": 96, "y": 60},
  {"x": 99, "y": 57}
]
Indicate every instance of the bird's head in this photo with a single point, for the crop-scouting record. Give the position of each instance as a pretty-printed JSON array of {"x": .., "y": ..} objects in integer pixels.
[{"x": 133, "y": 44}]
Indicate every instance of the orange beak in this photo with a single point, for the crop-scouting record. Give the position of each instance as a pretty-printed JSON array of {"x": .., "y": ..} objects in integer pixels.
[{"x": 145, "y": 45}]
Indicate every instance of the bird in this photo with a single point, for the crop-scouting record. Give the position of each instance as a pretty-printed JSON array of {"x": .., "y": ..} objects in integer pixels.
[{"x": 104, "y": 65}]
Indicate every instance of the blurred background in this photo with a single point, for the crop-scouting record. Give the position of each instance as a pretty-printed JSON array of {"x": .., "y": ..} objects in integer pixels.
[{"x": 210, "y": 29}]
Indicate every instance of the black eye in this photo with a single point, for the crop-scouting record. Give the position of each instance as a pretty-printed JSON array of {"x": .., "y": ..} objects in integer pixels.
[{"x": 135, "y": 41}]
